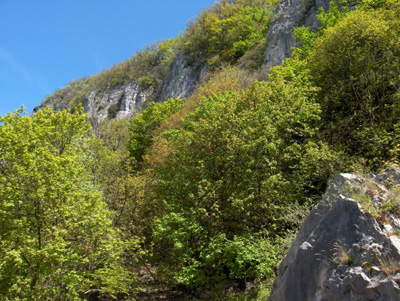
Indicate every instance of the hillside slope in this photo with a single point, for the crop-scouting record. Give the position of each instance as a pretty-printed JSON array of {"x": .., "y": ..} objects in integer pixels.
[
  {"x": 204, "y": 194},
  {"x": 170, "y": 69}
]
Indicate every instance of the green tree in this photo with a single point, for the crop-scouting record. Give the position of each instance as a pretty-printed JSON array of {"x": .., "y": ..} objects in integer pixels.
[
  {"x": 227, "y": 30},
  {"x": 57, "y": 240},
  {"x": 142, "y": 128},
  {"x": 241, "y": 160},
  {"x": 356, "y": 64}
]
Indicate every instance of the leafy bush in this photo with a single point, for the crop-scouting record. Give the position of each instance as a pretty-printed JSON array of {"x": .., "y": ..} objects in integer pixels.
[
  {"x": 142, "y": 128},
  {"x": 227, "y": 30},
  {"x": 356, "y": 64},
  {"x": 147, "y": 81},
  {"x": 240, "y": 160},
  {"x": 224, "y": 79},
  {"x": 57, "y": 238}
]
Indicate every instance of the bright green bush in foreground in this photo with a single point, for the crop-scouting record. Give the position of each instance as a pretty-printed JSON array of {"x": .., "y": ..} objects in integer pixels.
[
  {"x": 56, "y": 237},
  {"x": 237, "y": 166}
]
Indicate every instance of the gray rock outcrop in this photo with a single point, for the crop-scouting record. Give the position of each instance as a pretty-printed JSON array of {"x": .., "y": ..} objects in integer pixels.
[
  {"x": 182, "y": 78},
  {"x": 341, "y": 252},
  {"x": 129, "y": 99},
  {"x": 118, "y": 102},
  {"x": 289, "y": 14}
]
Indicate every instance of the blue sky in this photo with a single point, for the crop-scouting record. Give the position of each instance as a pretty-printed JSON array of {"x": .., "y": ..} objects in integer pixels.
[{"x": 45, "y": 44}]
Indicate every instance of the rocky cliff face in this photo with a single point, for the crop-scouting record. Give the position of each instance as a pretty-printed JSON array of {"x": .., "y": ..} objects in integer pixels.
[
  {"x": 118, "y": 102},
  {"x": 182, "y": 79},
  {"x": 129, "y": 99},
  {"x": 289, "y": 14},
  {"x": 341, "y": 251}
]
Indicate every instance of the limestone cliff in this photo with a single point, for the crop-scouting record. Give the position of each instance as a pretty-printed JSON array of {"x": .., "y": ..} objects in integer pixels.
[
  {"x": 289, "y": 14},
  {"x": 182, "y": 79},
  {"x": 118, "y": 102},
  {"x": 126, "y": 100},
  {"x": 341, "y": 251}
]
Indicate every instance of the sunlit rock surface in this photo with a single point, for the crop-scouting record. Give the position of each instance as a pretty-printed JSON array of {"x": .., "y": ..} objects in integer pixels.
[{"x": 341, "y": 252}]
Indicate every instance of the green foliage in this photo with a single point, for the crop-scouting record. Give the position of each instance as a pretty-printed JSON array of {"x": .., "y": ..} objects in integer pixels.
[
  {"x": 147, "y": 81},
  {"x": 113, "y": 110},
  {"x": 57, "y": 241},
  {"x": 167, "y": 48},
  {"x": 378, "y": 4},
  {"x": 234, "y": 170},
  {"x": 293, "y": 69},
  {"x": 337, "y": 10},
  {"x": 227, "y": 31},
  {"x": 142, "y": 128},
  {"x": 356, "y": 65},
  {"x": 224, "y": 79}
]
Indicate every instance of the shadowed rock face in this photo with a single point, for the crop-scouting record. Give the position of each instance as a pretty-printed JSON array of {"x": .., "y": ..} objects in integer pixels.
[
  {"x": 340, "y": 253},
  {"x": 182, "y": 79},
  {"x": 289, "y": 14}
]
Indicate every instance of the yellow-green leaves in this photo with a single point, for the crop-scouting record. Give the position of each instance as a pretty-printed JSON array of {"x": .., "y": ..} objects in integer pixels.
[
  {"x": 56, "y": 235},
  {"x": 356, "y": 64},
  {"x": 226, "y": 31},
  {"x": 234, "y": 169}
]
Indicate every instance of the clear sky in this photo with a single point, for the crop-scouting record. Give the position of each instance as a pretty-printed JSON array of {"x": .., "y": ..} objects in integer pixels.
[{"x": 45, "y": 44}]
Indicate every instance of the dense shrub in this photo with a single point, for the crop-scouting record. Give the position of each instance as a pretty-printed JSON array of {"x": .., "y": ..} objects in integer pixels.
[
  {"x": 142, "y": 127},
  {"x": 238, "y": 162},
  {"x": 357, "y": 65},
  {"x": 227, "y": 30}
]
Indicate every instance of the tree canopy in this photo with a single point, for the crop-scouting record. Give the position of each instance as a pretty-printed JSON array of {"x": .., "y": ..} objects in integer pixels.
[
  {"x": 235, "y": 167},
  {"x": 56, "y": 236}
]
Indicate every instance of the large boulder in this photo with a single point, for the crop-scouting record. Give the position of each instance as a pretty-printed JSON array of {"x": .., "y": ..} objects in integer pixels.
[{"x": 342, "y": 252}]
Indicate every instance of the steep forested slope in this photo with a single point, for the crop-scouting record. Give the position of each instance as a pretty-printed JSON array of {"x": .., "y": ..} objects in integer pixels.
[{"x": 200, "y": 195}]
